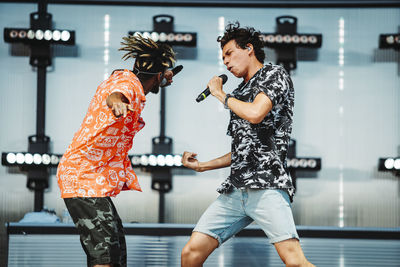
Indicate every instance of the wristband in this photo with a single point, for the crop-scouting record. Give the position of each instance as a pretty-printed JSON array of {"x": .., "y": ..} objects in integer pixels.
[{"x": 227, "y": 96}]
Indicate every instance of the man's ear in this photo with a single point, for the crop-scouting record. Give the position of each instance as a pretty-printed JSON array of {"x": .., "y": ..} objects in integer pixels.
[{"x": 159, "y": 76}]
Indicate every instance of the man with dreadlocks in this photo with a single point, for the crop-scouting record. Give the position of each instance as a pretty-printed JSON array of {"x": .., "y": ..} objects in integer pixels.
[
  {"x": 96, "y": 166},
  {"x": 259, "y": 187}
]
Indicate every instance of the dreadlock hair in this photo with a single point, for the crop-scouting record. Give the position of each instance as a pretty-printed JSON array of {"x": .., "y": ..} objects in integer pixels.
[
  {"x": 243, "y": 36},
  {"x": 149, "y": 56}
]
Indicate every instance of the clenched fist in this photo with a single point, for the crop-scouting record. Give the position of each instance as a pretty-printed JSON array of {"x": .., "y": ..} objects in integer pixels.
[{"x": 189, "y": 160}]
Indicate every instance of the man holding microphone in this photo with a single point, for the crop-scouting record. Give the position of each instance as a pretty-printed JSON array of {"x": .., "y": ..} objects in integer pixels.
[{"x": 259, "y": 187}]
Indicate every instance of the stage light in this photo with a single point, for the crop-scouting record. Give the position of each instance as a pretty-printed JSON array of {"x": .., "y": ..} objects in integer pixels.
[
  {"x": 54, "y": 160},
  {"x": 135, "y": 160},
  {"x": 312, "y": 39},
  {"x": 13, "y": 34},
  {"x": 27, "y": 159},
  {"x": 65, "y": 35},
  {"x": 178, "y": 160},
  {"x": 155, "y": 36},
  {"x": 312, "y": 163},
  {"x": 56, "y": 35},
  {"x": 151, "y": 161},
  {"x": 389, "y": 164},
  {"x": 46, "y": 160},
  {"x": 396, "y": 164},
  {"x": 303, "y": 39},
  {"x": 161, "y": 160},
  {"x": 292, "y": 40},
  {"x": 171, "y": 37},
  {"x": 304, "y": 163},
  {"x": 11, "y": 158},
  {"x": 187, "y": 37},
  {"x": 20, "y": 158},
  {"x": 169, "y": 160},
  {"x": 295, "y": 39},
  {"x": 48, "y": 35},
  {"x": 144, "y": 160},
  {"x": 163, "y": 37},
  {"x": 389, "y": 41},
  {"x": 29, "y": 36},
  {"x": 286, "y": 40},
  {"x": 22, "y": 34},
  {"x": 179, "y": 38},
  {"x": 39, "y": 35},
  {"x": 269, "y": 39},
  {"x": 146, "y": 35},
  {"x": 37, "y": 159}
]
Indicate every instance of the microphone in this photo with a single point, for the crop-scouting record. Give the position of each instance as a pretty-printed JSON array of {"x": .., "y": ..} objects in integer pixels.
[
  {"x": 177, "y": 69},
  {"x": 206, "y": 92}
]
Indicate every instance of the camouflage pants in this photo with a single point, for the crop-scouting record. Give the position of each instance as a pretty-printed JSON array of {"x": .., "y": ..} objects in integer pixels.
[{"x": 100, "y": 229}]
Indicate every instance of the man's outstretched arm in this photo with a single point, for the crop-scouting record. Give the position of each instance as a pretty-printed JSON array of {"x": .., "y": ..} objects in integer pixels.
[{"x": 189, "y": 160}]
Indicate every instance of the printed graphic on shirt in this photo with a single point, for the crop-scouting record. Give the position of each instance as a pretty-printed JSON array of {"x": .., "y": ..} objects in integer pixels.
[
  {"x": 96, "y": 163},
  {"x": 259, "y": 151}
]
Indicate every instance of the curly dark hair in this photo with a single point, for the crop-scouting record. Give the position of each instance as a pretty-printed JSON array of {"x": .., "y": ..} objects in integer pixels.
[
  {"x": 243, "y": 36},
  {"x": 149, "y": 56}
]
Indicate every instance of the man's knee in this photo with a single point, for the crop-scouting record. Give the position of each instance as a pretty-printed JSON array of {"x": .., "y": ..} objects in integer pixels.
[
  {"x": 293, "y": 262},
  {"x": 191, "y": 255},
  {"x": 296, "y": 261}
]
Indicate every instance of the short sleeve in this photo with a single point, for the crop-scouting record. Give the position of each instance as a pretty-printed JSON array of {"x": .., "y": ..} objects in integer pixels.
[
  {"x": 124, "y": 87},
  {"x": 130, "y": 88},
  {"x": 276, "y": 85}
]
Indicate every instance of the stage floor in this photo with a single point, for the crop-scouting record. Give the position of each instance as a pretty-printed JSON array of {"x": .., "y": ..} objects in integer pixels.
[{"x": 32, "y": 248}]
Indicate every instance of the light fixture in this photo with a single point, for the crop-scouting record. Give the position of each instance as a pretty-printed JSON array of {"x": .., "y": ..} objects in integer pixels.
[
  {"x": 291, "y": 40},
  {"x": 156, "y": 161},
  {"x": 286, "y": 40},
  {"x": 304, "y": 164},
  {"x": 389, "y": 40},
  {"x": 161, "y": 160},
  {"x": 29, "y": 36},
  {"x": 170, "y": 38},
  {"x": 21, "y": 159},
  {"x": 389, "y": 164}
]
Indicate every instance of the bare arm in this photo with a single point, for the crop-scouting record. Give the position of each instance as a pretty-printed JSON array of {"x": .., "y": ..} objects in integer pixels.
[
  {"x": 253, "y": 112},
  {"x": 118, "y": 103},
  {"x": 189, "y": 160}
]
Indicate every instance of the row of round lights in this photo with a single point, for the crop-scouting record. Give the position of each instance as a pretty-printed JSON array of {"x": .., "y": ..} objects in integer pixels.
[
  {"x": 391, "y": 39},
  {"x": 40, "y": 35},
  {"x": 28, "y": 158},
  {"x": 392, "y": 163},
  {"x": 302, "y": 163},
  {"x": 157, "y": 160},
  {"x": 166, "y": 37},
  {"x": 288, "y": 39}
]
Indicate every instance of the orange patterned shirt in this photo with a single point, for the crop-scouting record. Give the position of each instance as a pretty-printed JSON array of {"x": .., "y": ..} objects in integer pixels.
[{"x": 96, "y": 163}]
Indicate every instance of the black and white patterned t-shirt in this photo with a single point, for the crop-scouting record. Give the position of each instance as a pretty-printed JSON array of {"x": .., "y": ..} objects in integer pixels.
[{"x": 259, "y": 150}]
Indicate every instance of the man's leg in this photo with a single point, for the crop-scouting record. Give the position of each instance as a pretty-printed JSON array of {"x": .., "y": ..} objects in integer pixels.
[
  {"x": 121, "y": 238},
  {"x": 270, "y": 209},
  {"x": 291, "y": 253},
  {"x": 94, "y": 219},
  {"x": 197, "y": 250},
  {"x": 224, "y": 218}
]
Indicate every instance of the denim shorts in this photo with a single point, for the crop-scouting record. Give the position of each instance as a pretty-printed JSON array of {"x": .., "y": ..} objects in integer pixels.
[{"x": 231, "y": 212}]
